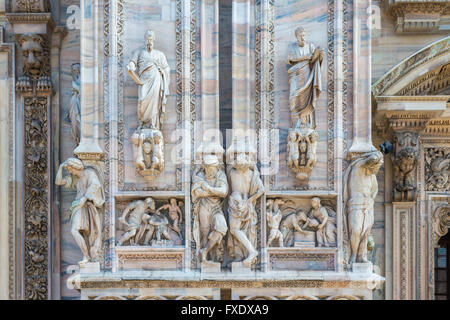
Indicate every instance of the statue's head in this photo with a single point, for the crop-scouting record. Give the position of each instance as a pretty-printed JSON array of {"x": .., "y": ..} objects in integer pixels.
[
  {"x": 315, "y": 202},
  {"x": 301, "y": 215},
  {"x": 303, "y": 145},
  {"x": 211, "y": 165},
  {"x": 149, "y": 39},
  {"x": 75, "y": 71},
  {"x": 292, "y": 136},
  {"x": 35, "y": 57},
  {"x": 74, "y": 166},
  {"x": 269, "y": 203},
  {"x": 313, "y": 136},
  {"x": 300, "y": 34},
  {"x": 278, "y": 202},
  {"x": 408, "y": 158},
  {"x": 150, "y": 203},
  {"x": 374, "y": 162},
  {"x": 147, "y": 147},
  {"x": 157, "y": 137},
  {"x": 173, "y": 201}
]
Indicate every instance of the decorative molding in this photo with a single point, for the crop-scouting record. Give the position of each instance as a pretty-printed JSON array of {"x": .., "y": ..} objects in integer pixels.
[
  {"x": 149, "y": 258},
  {"x": 401, "y": 70},
  {"x": 284, "y": 260},
  {"x": 433, "y": 83}
]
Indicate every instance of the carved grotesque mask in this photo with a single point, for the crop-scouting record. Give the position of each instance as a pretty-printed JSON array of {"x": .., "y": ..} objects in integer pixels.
[
  {"x": 147, "y": 147},
  {"x": 33, "y": 56}
]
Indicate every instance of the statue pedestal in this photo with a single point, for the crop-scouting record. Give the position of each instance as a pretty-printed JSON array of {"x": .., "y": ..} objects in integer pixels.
[
  {"x": 89, "y": 267},
  {"x": 239, "y": 267},
  {"x": 210, "y": 267},
  {"x": 365, "y": 268},
  {"x": 306, "y": 239}
]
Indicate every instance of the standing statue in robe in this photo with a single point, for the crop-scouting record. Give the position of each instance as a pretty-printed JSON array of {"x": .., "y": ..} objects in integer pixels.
[
  {"x": 246, "y": 188},
  {"x": 304, "y": 61},
  {"x": 75, "y": 104},
  {"x": 360, "y": 190},
  {"x": 87, "y": 206},
  {"x": 209, "y": 188},
  {"x": 151, "y": 72}
]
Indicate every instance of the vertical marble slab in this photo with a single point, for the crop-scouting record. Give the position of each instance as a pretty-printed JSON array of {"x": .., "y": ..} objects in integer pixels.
[
  {"x": 243, "y": 70},
  {"x": 90, "y": 62},
  {"x": 362, "y": 69},
  {"x": 7, "y": 170},
  {"x": 209, "y": 68}
]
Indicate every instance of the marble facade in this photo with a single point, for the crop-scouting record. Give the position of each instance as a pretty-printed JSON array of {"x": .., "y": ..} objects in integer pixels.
[{"x": 266, "y": 230}]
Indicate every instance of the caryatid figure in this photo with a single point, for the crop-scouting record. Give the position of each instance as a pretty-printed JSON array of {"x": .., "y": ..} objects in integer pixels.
[
  {"x": 360, "y": 190},
  {"x": 209, "y": 188},
  {"x": 304, "y": 61},
  {"x": 150, "y": 70},
  {"x": 246, "y": 188},
  {"x": 86, "y": 208}
]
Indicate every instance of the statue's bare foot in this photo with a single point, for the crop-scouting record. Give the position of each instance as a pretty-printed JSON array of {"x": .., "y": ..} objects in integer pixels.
[
  {"x": 85, "y": 260},
  {"x": 250, "y": 259}
]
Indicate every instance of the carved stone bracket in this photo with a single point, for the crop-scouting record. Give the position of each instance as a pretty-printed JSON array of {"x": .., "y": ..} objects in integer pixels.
[
  {"x": 437, "y": 169},
  {"x": 405, "y": 164}
]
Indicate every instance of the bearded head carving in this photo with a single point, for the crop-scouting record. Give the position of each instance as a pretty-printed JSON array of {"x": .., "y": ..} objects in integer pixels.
[{"x": 35, "y": 56}]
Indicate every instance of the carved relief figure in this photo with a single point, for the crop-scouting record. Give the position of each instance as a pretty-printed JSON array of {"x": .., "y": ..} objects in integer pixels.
[
  {"x": 75, "y": 105},
  {"x": 157, "y": 227},
  {"x": 405, "y": 164},
  {"x": 246, "y": 188},
  {"x": 360, "y": 190},
  {"x": 87, "y": 206},
  {"x": 325, "y": 224},
  {"x": 36, "y": 64},
  {"x": 151, "y": 72},
  {"x": 304, "y": 61},
  {"x": 301, "y": 148},
  {"x": 175, "y": 214},
  {"x": 209, "y": 188},
  {"x": 136, "y": 224},
  {"x": 274, "y": 216},
  {"x": 296, "y": 221},
  {"x": 150, "y": 153}
]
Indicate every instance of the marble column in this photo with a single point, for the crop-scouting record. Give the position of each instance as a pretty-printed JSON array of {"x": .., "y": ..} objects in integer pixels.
[
  {"x": 362, "y": 110},
  {"x": 89, "y": 147},
  {"x": 7, "y": 169}
]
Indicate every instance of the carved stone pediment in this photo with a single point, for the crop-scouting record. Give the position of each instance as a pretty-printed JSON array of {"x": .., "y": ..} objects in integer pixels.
[{"x": 418, "y": 16}]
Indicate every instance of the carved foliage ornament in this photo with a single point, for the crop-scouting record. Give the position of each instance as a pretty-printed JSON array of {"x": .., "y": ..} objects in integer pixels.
[
  {"x": 437, "y": 169},
  {"x": 36, "y": 199},
  {"x": 30, "y": 6}
]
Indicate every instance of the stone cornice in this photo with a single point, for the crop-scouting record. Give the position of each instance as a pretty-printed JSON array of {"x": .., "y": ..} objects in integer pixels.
[
  {"x": 411, "y": 113},
  {"x": 415, "y": 16}
]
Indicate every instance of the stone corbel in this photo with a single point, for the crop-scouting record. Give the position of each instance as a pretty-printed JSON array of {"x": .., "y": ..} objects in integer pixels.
[{"x": 418, "y": 16}]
